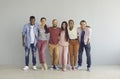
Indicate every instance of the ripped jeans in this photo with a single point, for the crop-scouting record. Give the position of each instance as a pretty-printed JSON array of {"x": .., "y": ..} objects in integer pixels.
[{"x": 27, "y": 52}]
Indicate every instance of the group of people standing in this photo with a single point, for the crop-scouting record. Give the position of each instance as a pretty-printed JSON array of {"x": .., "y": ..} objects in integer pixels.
[{"x": 67, "y": 42}]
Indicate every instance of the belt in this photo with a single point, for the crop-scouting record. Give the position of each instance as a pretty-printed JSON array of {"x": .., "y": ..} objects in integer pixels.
[{"x": 73, "y": 39}]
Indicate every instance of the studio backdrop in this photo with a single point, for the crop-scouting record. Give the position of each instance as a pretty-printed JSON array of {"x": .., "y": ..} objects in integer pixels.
[{"x": 102, "y": 15}]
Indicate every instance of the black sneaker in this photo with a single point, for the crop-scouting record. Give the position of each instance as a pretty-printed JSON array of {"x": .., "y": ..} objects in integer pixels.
[{"x": 56, "y": 68}]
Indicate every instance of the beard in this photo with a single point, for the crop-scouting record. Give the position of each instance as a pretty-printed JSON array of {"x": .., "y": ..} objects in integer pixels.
[{"x": 54, "y": 25}]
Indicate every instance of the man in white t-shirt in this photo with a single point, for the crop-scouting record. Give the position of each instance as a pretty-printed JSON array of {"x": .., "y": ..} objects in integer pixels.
[{"x": 29, "y": 40}]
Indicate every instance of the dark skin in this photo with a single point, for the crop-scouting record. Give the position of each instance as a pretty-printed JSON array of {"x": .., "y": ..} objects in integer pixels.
[
  {"x": 71, "y": 24},
  {"x": 32, "y": 22}
]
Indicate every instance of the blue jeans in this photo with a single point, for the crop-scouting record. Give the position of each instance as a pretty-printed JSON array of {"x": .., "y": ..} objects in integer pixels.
[
  {"x": 87, "y": 49},
  {"x": 27, "y": 52}
]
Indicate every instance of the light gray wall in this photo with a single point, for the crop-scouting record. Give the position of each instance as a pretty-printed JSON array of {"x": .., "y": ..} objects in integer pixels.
[{"x": 102, "y": 15}]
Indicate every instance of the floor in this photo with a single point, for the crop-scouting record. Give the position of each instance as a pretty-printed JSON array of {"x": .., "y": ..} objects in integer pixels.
[{"x": 97, "y": 72}]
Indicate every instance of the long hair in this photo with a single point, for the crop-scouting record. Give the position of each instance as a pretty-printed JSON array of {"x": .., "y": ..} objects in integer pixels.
[
  {"x": 45, "y": 27},
  {"x": 66, "y": 30}
]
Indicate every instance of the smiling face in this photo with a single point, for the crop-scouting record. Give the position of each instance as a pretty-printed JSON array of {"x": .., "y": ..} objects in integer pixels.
[
  {"x": 32, "y": 21},
  {"x": 83, "y": 24},
  {"x": 43, "y": 21},
  {"x": 55, "y": 23},
  {"x": 71, "y": 24},
  {"x": 64, "y": 26}
]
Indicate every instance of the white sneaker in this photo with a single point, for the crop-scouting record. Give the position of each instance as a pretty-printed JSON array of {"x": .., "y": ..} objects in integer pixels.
[
  {"x": 51, "y": 68},
  {"x": 70, "y": 68},
  {"x": 42, "y": 68},
  {"x": 25, "y": 68},
  {"x": 64, "y": 69},
  {"x": 34, "y": 67},
  {"x": 45, "y": 66},
  {"x": 79, "y": 68},
  {"x": 56, "y": 68}
]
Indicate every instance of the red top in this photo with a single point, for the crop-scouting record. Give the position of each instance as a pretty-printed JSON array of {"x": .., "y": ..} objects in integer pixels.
[{"x": 54, "y": 35}]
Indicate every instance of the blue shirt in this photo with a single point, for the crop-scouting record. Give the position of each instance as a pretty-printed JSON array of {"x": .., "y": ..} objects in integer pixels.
[{"x": 26, "y": 33}]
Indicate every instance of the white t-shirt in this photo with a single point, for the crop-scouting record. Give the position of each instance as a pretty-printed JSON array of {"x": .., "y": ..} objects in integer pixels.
[
  {"x": 72, "y": 33},
  {"x": 32, "y": 35}
]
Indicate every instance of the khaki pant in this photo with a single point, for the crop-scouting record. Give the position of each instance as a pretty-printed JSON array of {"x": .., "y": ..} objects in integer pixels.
[
  {"x": 73, "y": 50},
  {"x": 54, "y": 53}
]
